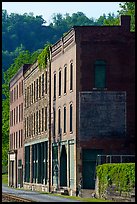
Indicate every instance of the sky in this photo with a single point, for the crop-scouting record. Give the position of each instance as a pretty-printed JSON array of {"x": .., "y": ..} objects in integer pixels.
[{"x": 47, "y": 9}]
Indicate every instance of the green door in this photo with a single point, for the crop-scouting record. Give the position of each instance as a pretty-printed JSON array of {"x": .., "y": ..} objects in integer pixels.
[
  {"x": 89, "y": 167},
  {"x": 63, "y": 167}
]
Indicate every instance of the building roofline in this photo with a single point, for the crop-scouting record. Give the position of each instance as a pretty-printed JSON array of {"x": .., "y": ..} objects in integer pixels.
[{"x": 23, "y": 68}]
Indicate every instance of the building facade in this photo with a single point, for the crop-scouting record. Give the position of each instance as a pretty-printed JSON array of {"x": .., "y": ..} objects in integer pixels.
[
  {"x": 92, "y": 101},
  {"x": 77, "y": 109},
  {"x": 15, "y": 166},
  {"x": 36, "y": 133}
]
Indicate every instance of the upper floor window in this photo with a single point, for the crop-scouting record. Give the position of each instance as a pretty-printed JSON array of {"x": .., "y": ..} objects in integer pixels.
[
  {"x": 46, "y": 82},
  {"x": 42, "y": 84},
  {"x": 71, "y": 76},
  {"x": 65, "y": 79},
  {"x": 17, "y": 91},
  {"x": 46, "y": 118},
  {"x": 42, "y": 122},
  {"x": 54, "y": 86},
  {"x": 37, "y": 89},
  {"x": 64, "y": 119},
  {"x": 71, "y": 117},
  {"x": 40, "y": 87},
  {"x": 60, "y": 83},
  {"x": 59, "y": 121},
  {"x": 54, "y": 121},
  {"x": 100, "y": 74},
  {"x": 32, "y": 93}
]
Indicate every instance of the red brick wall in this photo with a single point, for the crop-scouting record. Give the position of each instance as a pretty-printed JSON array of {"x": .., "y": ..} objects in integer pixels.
[{"x": 115, "y": 45}]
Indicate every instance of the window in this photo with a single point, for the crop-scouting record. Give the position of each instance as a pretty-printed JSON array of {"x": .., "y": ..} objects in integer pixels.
[
  {"x": 27, "y": 126},
  {"x": 65, "y": 79},
  {"x": 21, "y": 137},
  {"x": 31, "y": 124},
  {"x": 32, "y": 93},
  {"x": 14, "y": 94},
  {"x": 22, "y": 87},
  {"x": 25, "y": 98},
  {"x": 12, "y": 118},
  {"x": 46, "y": 82},
  {"x": 37, "y": 89},
  {"x": 16, "y": 140},
  {"x": 59, "y": 121},
  {"x": 54, "y": 86},
  {"x": 54, "y": 121},
  {"x": 42, "y": 122},
  {"x": 59, "y": 83},
  {"x": 39, "y": 121},
  {"x": 71, "y": 76},
  {"x": 100, "y": 74},
  {"x": 42, "y": 84},
  {"x": 17, "y": 91},
  {"x": 21, "y": 111},
  {"x": 71, "y": 118},
  {"x": 16, "y": 114},
  {"x": 40, "y": 87},
  {"x": 34, "y": 124},
  {"x": 64, "y": 119},
  {"x": 45, "y": 118}
]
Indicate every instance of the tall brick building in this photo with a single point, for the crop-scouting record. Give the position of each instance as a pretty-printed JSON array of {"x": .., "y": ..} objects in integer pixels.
[
  {"x": 15, "y": 165},
  {"x": 36, "y": 134},
  {"x": 92, "y": 100}
]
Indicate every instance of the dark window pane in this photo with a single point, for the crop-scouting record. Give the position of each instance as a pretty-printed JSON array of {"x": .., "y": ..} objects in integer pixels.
[
  {"x": 100, "y": 74},
  {"x": 70, "y": 117}
]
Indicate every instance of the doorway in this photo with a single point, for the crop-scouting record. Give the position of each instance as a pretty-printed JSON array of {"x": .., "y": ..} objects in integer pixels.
[{"x": 63, "y": 167}]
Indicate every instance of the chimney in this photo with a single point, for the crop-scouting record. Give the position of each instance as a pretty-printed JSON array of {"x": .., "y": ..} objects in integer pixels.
[{"x": 125, "y": 22}]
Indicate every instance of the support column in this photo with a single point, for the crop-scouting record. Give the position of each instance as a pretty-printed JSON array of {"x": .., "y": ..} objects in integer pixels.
[
  {"x": 15, "y": 171},
  {"x": 8, "y": 169},
  {"x": 31, "y": 174}
]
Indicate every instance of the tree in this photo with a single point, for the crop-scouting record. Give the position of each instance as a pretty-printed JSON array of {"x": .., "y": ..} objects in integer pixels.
[{"x": 128, "y": 8}]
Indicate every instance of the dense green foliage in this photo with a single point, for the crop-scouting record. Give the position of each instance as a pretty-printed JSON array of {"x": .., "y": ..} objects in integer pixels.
[
  {"x": 128, "y": 8},
  {"x": 121, "y": 175},
  {"x": 26, "y": 32},
  {"x": 44, "y": 56}
]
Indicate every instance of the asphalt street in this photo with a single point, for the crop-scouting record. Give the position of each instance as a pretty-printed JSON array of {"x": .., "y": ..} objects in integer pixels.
[{"x": 35, "y": 196}]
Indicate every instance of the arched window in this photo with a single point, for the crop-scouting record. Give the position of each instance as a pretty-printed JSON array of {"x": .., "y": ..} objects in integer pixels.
[
  {"x": 100, "y": 74},
  {"x": 71, "y": 76},
  {"x": 71, "y": 117},
  {"x": 65, "y": 119}
]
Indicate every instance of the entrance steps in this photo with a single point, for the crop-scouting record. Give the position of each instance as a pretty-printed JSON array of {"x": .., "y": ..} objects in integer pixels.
[
  {"x": 62, "y": 191},
  {"x": 87, "y": 193}
]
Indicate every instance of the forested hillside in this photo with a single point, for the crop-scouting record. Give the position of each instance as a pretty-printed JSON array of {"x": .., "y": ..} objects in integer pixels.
[{"x": 25, "y": 36}]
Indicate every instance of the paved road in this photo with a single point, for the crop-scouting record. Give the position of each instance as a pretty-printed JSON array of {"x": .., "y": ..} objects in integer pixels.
[{"x": 35, "y": 196}]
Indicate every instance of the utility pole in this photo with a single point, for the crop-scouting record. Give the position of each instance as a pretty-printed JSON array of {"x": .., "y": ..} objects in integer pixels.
[{"x": 49, "y": 148}]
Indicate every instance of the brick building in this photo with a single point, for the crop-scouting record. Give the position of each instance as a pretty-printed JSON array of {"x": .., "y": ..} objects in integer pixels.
[
  {"x": 15, "y": 166},
  {"x": 92, "y": 101},
  {"x": 81, "y": 106},
  {"x": 36, "y": 134}
]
